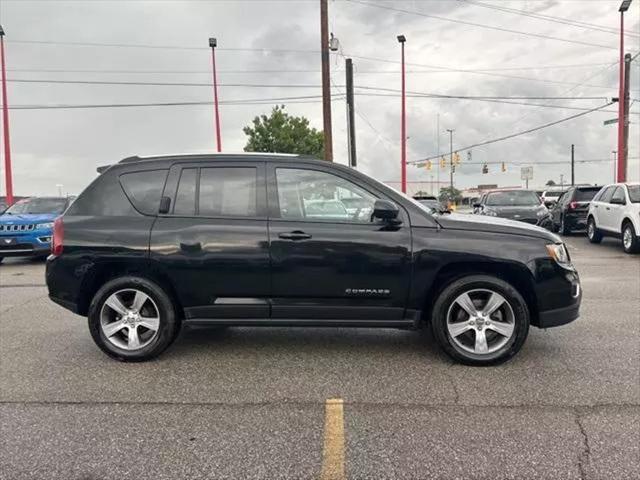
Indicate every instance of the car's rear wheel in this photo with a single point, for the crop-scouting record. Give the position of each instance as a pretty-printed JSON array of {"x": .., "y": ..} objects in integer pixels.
[
  {"x": 593, "y": 234},
  {"x": 630, "y": 241},
  {"x": 132, "y": 319},
  {"x": 480, "y": 320}
]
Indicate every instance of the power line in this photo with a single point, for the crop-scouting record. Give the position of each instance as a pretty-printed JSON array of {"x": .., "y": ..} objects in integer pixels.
[
  {"x": 517, "y": 134},
  {"x": 549, "y": 18},
  {"x": 481, "y": 25}
]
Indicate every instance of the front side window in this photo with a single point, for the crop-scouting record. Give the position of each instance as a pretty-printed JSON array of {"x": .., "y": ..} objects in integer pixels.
[
  {"x": 314, "y": 195},
  {"x": 228, "y": 192},
  {"x": 606, "y": 194}
]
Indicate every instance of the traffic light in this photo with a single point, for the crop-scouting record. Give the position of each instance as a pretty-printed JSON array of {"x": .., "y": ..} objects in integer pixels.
[
  {"x": 428, "y": 165},
  {"x": 453, "y": 168},
  {"x": 485, "y": 168},
  {"x": 456, "y": 158},
  {"x": 504, "y": 167},
  {"x": 443, "y": 163}
]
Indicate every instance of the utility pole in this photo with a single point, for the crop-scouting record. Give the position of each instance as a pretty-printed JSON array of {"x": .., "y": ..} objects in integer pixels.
[
  {"x": 403, "y": 123},
  {"x": 624, "y": 6},
  {"x": 573, "y": 165},
  {"x": 351, "y": 121},
  {"x": 562, "y": 181},
  {"x": 451, "y": 154},
  {"x": 615, "y": 163},
  {"x": 213, "y": 43},
  {"x": 624, "y": 161},
  {"x": 326, "y": 79},
  {"x": 5, "y": 123}
]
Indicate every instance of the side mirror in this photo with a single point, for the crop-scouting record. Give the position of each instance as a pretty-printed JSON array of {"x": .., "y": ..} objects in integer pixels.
[
  {"x": 477, "y": 205},
  {"x": 165, "y": 205},
  {"x": 385, "y": 210}
]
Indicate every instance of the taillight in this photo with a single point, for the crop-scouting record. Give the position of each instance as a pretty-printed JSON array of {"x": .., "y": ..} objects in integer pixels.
[
  {"x": 58, "y": 237},
  {"x": 573, "y": 205}
]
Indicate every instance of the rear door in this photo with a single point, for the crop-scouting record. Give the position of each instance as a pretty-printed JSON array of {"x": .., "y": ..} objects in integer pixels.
[
  {"x": 330, "y": 262},
  {"x": 213, "y": 243},
  {"x": 601, "y": 206}
]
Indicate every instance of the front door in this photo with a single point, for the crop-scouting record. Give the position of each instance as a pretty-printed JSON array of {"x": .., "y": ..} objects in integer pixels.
[
  {"x": 329, "y": 258},
  {"x": 213, "y": 245}
]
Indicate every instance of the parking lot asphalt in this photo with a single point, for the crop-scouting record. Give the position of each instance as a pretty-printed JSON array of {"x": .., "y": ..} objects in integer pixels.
[{"x": 250, "y": 402}]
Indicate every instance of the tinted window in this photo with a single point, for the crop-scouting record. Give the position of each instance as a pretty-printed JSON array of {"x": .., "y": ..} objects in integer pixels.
[
  {"x": 38, "y": 206},
  {"x": 310, "y": 194},
  {"x": 228, "y": 192},
  {"x": 144, "y": 189},
  {"x": 511, "y": 199},
  {"x": 585, "y": 195},
  {"x": 634, "y": 193},
  {"x": 618, "y": 195},
  {"x": 553, "y": 194},
  {"x": 606, "y": 195},
  {"x": 185, "y": 201},
  {"x": 104, "y": 197}
]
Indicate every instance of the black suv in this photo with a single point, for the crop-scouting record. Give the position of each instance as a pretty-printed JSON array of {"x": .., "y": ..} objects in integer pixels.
[
  {"x": 154, "y": 244},
  {"x": 570, "y": 211}
]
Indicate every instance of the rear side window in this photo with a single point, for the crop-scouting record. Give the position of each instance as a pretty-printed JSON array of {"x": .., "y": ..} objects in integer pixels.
[
  {"x": 144, "y": 189},
  {"x": 185, "y": 202},
  {"x": 104, "y": 197},
  {"x": 228, "y": 192}
]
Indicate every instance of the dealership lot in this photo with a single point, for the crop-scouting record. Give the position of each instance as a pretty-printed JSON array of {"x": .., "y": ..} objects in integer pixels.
[{"x": 250, "y": 402}]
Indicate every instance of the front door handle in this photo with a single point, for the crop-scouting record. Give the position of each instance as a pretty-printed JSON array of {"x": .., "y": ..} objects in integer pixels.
[
  {"x": 295, "y": 235},
  {"x": 608, "y": 208},
  {"x": 191, "y": 247}
]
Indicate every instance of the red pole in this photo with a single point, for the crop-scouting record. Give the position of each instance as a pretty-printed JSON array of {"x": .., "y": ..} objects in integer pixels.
[
  {"x": 213, "y": 44},
  {"x": 5, "y": 123},
  {"x": 621, "y": 153},
  {"x": 403, "y": 132}
]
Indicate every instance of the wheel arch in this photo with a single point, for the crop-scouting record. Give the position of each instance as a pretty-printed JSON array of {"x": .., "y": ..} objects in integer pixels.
[{"x": 519, "y": 276}]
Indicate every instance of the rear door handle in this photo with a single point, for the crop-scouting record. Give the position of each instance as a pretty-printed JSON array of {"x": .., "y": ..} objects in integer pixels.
[
  {"x": 295, "y": 235},
  {"x": 191, "y": 247},
  {"x": 608, "y": 208}
]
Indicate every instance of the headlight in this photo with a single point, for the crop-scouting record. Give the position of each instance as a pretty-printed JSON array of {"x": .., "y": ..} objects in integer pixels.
[
  {"x": 559, "y": 253},
  {"x": 44, "y": 226},
  {"x": 542, "y": 212},
  {"x": 488, "y": 211}
]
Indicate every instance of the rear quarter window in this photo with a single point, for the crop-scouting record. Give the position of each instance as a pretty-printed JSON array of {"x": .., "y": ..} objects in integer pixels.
[
  {"x": 144, "y": 189},
  {"x": 103, "y": 197}
]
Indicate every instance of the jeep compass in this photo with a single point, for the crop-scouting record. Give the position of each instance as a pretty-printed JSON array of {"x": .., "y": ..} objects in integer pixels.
[{"x": 158, "y": 243}]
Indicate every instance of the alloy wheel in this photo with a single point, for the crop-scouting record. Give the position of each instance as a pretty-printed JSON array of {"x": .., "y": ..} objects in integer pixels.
[
  {"x": 480, "y": 321},
  {"x": 591, "y": 229},
  {"x": 130, "y": 319},
  {"x": 627, "y": 238}
]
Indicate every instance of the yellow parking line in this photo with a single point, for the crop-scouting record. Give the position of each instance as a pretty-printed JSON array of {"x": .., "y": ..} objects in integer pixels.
[{"x": 333, "y": 452}]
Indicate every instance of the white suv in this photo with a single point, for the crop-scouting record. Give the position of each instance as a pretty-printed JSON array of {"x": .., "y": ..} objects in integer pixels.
[{"x": 615, "y": 211}]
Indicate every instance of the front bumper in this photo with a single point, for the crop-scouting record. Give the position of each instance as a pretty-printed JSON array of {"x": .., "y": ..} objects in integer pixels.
[
  {"x": 34, "y": 244},
  {"x": 559, "y": 316}
]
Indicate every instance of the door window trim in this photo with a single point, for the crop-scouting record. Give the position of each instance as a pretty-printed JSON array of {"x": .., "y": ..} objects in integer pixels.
[{"x": 173, "y": 179}]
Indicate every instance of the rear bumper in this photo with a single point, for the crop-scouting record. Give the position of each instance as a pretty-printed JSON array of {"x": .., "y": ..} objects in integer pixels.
[
  {"x": 576, "y": 220},
  {"x": 65, "y": 303}
]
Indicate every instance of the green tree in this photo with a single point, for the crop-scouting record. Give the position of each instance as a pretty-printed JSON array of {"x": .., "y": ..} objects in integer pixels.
[
  {"x": 550, "y": 183},
  {"x": 283, "y": 133},
  {"x": 450, "y": 194}
]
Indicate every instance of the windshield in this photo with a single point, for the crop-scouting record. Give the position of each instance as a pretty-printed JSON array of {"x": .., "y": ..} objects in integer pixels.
[
  {"x": 634, "y": 193},
  {"x": 586, "y": 195},
  {"x": 512, "y": 199},
  {"x": 37, "y": 206}
]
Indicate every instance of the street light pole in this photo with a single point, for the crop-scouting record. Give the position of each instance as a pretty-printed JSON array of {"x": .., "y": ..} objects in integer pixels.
[
  {"x": 213, "y": 43},
  {"x": 624, "y": 6},
  {"x": 451, "y": 154},
  {"x": 5, "y": 124},
  {"x": 403, "y": 127}
]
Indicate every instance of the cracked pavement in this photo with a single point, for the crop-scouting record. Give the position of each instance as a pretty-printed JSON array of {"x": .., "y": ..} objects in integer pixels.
[{"x": 249, "y": 402}]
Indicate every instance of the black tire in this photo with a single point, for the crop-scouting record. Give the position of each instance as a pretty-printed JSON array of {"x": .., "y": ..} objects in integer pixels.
[
  {"x": 593, "y": 234},
  {"x": 169, "y": 324},
  {"x": 564, "y": 230},
  {"x": 634, "y": 246},
  {"x": 445, "y": 302}
]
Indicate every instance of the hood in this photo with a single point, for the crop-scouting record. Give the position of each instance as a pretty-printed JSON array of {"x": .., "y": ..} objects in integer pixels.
[
  {"x": 484, "y": 223},
  {"x": 27, "y": 219}
]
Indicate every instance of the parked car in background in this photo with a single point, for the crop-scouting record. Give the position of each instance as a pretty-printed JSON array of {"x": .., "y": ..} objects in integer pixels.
[
  {"x": 615, "y": 211},
  {"x": 433, "y": 204},
  {"x": 551, "y": 196},
  {"x": 521, "y": 205},
  {"x": 157, "y": 243},
  {"x": 570, "y": 211},
  {"x": 4, "y": 205},
  {"x": 26, "y": 226}
]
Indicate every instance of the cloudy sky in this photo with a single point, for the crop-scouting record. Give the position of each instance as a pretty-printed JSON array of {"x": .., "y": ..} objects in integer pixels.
[{"x": 536, "y": 49}]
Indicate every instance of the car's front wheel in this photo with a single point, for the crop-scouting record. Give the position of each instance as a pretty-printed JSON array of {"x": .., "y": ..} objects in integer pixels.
[
  {"x": 630, "y": 241},
  {"x": 132, "y": 319},
  {"x": 480, "y": 320},
  {"x": 593, "y": 234}
]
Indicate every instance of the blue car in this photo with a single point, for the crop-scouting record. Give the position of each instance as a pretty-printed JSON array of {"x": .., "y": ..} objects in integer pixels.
[{"x": 26, "y": 226}]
